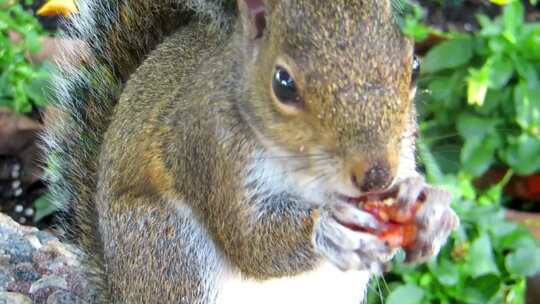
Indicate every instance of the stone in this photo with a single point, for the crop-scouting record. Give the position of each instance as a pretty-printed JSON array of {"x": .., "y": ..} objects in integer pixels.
[
  {"x": 49, "y": 282},
  {"x": 19, "y": 287},
  {"x": 35, "y": 267},
  {"x": 14, "y": 298},
  {"x": 17, "y": 248},
  {"x": 63, "y": 297},
  {"x": 25, "y": 272},
  {"x": 43, "y": 237},
  {"x": 5, "y": 278}
]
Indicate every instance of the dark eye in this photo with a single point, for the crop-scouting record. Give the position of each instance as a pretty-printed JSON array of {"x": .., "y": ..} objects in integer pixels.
[
  {"x": 284, "y": 87},
  {"x": 415, "y": 68}
]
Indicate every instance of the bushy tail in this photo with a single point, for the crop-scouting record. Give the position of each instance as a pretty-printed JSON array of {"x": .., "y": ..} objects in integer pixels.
[{"x": 117, "y": 36}]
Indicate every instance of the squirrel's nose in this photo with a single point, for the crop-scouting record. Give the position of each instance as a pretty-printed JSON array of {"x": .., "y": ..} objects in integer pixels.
[{"x": 375, "y": 178}]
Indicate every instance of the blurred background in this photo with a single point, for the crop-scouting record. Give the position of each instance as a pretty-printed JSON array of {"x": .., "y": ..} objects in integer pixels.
[{"x": 479, "y": 108}]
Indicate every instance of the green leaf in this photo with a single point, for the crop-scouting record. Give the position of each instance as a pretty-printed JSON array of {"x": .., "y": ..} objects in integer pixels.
[
  {"x": 446, "y": 272},
  {"x": 501, "y": 77},
  {"x": 449, "y": 54},
  {"x": 33, "y": 42},
  {"x": 523, "y": 262},
  {"x": 484, "y": 217},
  {"x": 433, "y": 171},
  {"x": 527, "y": 106},
  {"x": 480, "y": 259},
  {"x": 417, "y": 30},
  {"x": 524, "y": 68},
  {"x": 496, "y": 101},
  {"x": 516, "y": 295},
  {"x": 512, "y": 236},
  {"x": 500, "y": 45},
  {"x": 441, "y": 88},
  {"x": 477, "y": 155},
  {"x": 501, "y": 70},
  {"x": 529, "y": 45},
  {"x": 474, "y": 126},
  {"x": 18, "y": 75},
  {"x": 466, "y": 187},
  {"x": 522, "y": 154},
  {"x": 44, "y": 206},
  {"x": 477, "y": 85},
  {"x": 513, "y": 19},
  {"x": 489, "y": 28},
  {"x": 406, "y": 294},
  {"x": 482, "y": 289}
]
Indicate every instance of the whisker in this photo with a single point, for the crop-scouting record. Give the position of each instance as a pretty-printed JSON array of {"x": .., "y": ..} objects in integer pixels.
[
  {"x": 440, "y": 137},
  {"x": 311, "y": 156},
  {"x": 313, "y": 180},
  {"x": 376, "y": 290}
]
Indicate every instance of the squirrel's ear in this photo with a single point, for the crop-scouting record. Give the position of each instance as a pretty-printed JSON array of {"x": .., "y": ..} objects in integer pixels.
[{"x": 253, "y": 16}]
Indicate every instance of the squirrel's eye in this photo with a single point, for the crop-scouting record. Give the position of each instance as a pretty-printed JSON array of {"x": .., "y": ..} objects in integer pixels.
[
  {"x": 415, "y": 68},
  {"x": 284, "y": 87}
]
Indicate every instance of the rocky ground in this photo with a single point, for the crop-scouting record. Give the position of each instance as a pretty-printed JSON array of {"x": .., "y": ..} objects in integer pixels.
[{"x": 36, "y": 268}]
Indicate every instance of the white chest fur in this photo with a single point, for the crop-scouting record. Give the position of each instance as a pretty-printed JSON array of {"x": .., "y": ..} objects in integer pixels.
[{"x": 327, "y": 284}]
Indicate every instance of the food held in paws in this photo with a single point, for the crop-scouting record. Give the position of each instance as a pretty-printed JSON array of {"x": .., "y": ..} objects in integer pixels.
[
  {"x": 400, "y": 227},
  {"x": 399, "y": 235}
]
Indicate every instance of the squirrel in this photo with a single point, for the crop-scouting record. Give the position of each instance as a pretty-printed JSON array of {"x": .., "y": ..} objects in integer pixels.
[{"x": 208, "y": 149}]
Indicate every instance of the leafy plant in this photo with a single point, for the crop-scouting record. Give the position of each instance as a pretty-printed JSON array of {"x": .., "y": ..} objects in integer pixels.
[
  {"x": 496, "y": 111},
  {"x": 481, "y": 109},
  {"x": 411, "y": 24},
  {"x": 485, "y": 261},
  {"x": 21, "y": 81}
]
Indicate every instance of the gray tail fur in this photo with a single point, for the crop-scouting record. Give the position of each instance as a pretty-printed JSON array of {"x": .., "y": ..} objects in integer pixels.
[{"x": 118, "y": 35}]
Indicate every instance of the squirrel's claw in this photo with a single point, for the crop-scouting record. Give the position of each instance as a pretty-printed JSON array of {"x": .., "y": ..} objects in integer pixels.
[
  {"x": 355, "y": 217},
  {"x": 409, "y": 191},
  {"x": 435, "y": 220},
  {"x": 348, "y": 249}
]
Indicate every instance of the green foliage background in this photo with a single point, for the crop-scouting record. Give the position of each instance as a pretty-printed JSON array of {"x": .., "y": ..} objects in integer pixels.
[
  {"x": 22, "y": 83},
  {"x": 479, "y": 98}
]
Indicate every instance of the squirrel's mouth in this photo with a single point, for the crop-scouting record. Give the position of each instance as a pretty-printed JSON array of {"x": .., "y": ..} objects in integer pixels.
[
  {"x": 348, "y": 199},
  {"x": 371, "y": 196}
]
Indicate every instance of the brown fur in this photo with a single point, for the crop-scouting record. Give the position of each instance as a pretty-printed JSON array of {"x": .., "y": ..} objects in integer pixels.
[{"x": 190, "y": 117}]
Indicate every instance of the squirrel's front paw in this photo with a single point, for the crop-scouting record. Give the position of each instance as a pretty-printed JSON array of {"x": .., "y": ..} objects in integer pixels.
[
  {"x": 435, "y": 219},
  {"x": 346, "y": 248}
]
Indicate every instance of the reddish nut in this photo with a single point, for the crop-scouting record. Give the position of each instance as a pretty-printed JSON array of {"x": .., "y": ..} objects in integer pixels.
[
  {"x": 400, "y": 224},
  {"x": 399, "y": 235}
]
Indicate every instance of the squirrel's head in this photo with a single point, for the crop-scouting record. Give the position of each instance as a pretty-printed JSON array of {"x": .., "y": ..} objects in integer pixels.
[{"x": 330, "y": 87}]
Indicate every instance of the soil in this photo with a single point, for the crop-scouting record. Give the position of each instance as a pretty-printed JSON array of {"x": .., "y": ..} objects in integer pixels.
[
  {"x": 20, "y": 166},
  {"x": 460, "y": 15}
]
